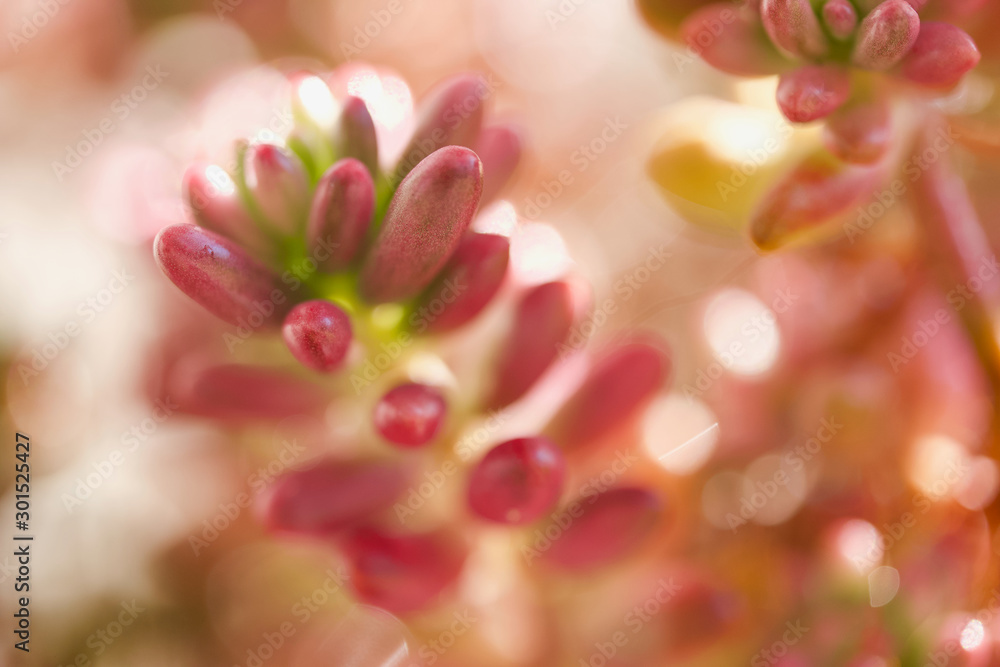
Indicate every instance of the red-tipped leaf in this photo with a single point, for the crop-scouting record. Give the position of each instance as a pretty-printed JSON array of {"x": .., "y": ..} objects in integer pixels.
[
  {"x": 813, "y": 92},
  {"x": 541, "y": 323},
  {"x": 794, "y": 27},
  {"x": 215, "y": 203},
  {"x": 517, "y": 481},
  {"x": 219, "y": 274},
  {"x": 606, "y": 528},
  {"x": 318, "y": 333},
  {"x": 341, "y": 213},
  {"x": 840, "y": 17},
  {"x": 410, "y": 415},
  {"x": 402, "y": 572},
  {"x": 941, "y": 56},
  {"x": 615, "y": 391},
  {"x": 426, "y": 219},
  {"x": 278, "y": 185},
  {"x": 467, "y": 284},
  {"x": 243, "y": 393},
  {"x": 452, "y": 115},
  {"x": 860, "y": 132},
  {"x": 886, "y": 35},
  {"x": 812, "y": 194},
  {"x": 331, "y": 496},
  {"x": 356, "y": 135},
  {"x": 729, "y": 41},
  {"x": 499, "y": 148}
]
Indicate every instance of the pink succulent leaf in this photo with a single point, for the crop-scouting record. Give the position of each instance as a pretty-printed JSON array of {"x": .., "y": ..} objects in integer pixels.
[
  {"x": 615, "y": 391},
  {"x": 451, "y": 116},
  {"x": 941, "y": 56},
  {"x": 318, "y": 333},
  {"x": 729, "y": 41},
  {"x": 518, "y": 481},
  {"x": 841, "y": 18},
  {"x": 499, "y": 147},
  {"x": 357, "y": 137},
  {"x": 331, "y": 496},
  {"x": 410, "y": 415},
  {"x": 945, "y": 208},
  {"x": 426, "y": 219},
  {"x": 813, "y": 92},
  {"x": 613, "y": 524},
  {"x": 467, "y": 284},
  {"x": 542, "y": 321},
  {"x": 215, "y": 203},
  {"x": 243, "y": 393},
  {"x": 813, "y": 193},
  {"x": 278, "y": 185},
  {"x": 886, "y": 35},
  {"x": 402, "y": 572},
  {"x": 794, "y": 28},
  {"x": 860, "y": 133},
  {"x": 218, "y": 274},
  {"x": 341, "y": 214}
]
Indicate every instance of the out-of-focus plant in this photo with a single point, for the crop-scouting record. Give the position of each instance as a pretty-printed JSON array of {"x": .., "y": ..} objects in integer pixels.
[
  {"x": 868, "y": 70},
  {"x": 865, "y": 175},
  {"x": 879, "y": 76},
  {"x": 361, "y": 268}
]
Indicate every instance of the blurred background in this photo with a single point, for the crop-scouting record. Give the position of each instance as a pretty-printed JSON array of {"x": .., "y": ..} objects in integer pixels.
[{"x": 103, "y": 105}]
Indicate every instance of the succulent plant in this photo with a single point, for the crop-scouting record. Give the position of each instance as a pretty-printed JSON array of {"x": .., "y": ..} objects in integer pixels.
[
  {"x": 866, "y": 69},
  {"x": 316, "y": 241},
  {"x": 313, "y": 237},
  {"x": 867, "y": 159}
]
